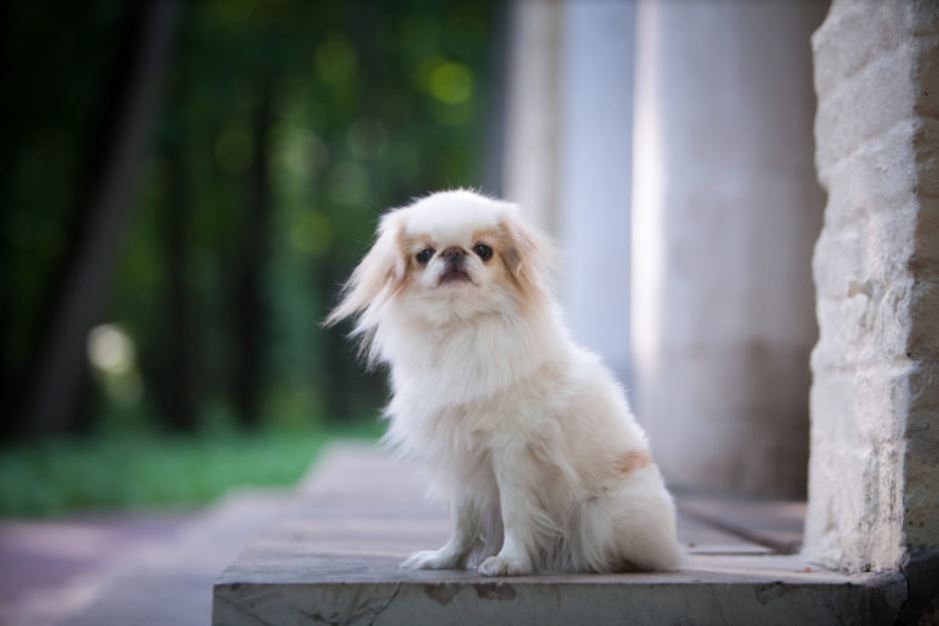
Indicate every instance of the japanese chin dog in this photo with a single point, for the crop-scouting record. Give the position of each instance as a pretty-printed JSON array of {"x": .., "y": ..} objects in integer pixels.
[{"x": 527, "y": 434}]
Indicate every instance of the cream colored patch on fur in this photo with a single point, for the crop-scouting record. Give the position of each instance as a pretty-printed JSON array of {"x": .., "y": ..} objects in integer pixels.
[
  {"x": 633, "y": 460},
  {"x": 486, "y": 235},
  {"x": 412, "y": 243}
]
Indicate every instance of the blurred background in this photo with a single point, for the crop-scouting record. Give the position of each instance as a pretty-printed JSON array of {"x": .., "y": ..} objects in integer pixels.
[{"x": 185, "y": 186}]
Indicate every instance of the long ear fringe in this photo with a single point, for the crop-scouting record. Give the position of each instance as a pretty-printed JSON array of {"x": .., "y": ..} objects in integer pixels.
[
  {"x": 370, "y": 286},
  {"x": 535, "y": 253}
]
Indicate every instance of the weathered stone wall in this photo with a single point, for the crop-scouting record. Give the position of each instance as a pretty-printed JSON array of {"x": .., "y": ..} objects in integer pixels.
[
  {"x": 874, "y": 471},
  {"x": 726, "y": 208}
]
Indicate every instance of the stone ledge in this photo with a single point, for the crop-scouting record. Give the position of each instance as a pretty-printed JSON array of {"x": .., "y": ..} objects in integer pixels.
[
  {"x": 440, "y": 599},
  {"x": 335, "y": 560}
]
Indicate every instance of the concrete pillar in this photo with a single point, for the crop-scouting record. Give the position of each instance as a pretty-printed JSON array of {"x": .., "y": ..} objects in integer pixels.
[
  {"x": 569, "y": 149},
  {"x": 873, "y": 496},
  {"x": 726, "y": 209},
  {"x": 533, "y": 138},
  {"x": 595, "y": 181}
]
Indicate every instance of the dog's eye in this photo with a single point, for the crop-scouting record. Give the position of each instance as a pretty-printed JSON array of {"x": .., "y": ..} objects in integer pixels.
[
  {"x": 483, "y": 251},
  {"x": 424, "y": 255}
]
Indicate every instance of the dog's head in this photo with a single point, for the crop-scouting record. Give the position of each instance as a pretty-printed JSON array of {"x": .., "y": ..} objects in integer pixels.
[{"x": 451, "y": 256}]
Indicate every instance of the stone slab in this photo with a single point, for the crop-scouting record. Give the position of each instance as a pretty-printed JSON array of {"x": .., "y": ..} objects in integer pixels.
[
  {"x": 775, "y": 524},
  {"x": 335, "y": 560}
]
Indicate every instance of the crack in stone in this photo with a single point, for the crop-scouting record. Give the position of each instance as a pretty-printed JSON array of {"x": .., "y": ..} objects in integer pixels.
[
  {"x": 921, "y": 602},
  {"x": 908, "y": 594},
  {"x": 242, "y": 610},
  {"x": 381, "y": 610},
  {"x": 368, "y": 609}
]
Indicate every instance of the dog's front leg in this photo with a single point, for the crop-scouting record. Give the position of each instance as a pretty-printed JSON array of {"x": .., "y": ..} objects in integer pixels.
[
  {"x": 514, "y": 473},
  {"x": 464, "y": 533}
]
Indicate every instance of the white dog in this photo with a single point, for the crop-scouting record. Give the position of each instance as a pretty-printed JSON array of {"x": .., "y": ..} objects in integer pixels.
[{"x": 528, "y": 434}]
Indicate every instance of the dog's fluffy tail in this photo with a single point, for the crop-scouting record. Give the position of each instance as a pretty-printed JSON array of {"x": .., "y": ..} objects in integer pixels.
[{"x": 631, "y": 528}]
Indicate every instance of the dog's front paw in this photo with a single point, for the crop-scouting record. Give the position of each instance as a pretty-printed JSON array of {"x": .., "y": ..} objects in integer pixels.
[
  {"x": 431, "y": 559},
  {"x": 503, "y": 566}
]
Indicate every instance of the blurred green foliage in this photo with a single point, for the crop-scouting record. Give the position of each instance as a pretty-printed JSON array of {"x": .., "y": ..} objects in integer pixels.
[
  {"x": 113, "y": 472},
  {"x": 368, "y": 104}
]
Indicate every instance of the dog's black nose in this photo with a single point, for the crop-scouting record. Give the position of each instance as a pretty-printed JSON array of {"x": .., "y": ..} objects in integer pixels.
[{"x": 453, "y": 254}]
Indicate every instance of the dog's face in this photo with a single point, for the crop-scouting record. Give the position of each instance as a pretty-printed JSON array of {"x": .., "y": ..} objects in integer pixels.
[
  {"x": 451, "y": 255},
  {"x": 459, "y": 250}
]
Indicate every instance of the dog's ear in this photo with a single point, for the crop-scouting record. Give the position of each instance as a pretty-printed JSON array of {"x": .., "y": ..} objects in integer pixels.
[
  {"x": 527, "y": 255},
  {"x": 377, "y": 275}
]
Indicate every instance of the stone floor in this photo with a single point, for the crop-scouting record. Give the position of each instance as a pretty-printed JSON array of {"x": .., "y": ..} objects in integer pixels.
[{"x": 334, "y": 559}]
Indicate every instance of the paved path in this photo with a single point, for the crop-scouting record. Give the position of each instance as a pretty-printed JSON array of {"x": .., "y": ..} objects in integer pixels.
[
  {"x": 141, "y": 572},
  {"x": 57, "y": 557}
]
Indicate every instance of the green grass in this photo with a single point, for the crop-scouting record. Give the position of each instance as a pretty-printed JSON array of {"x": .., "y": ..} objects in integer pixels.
[{"x": 140, "y": 471}]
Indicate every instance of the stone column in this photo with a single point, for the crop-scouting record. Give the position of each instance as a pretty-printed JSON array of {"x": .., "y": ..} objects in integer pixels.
[
  {"x": 595, "y": 180},
  {"x": 726, "y": 209},
  {"x": 874, "y": 472},
  {"x": 532, "y": 145},
  {"x": 569, "y": 147}
]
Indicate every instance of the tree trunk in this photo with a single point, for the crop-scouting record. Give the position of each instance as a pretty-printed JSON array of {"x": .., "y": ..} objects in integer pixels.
[
  {"x": 178, "y": 400},
  {"x": 114, "y": 163},
  {"x": 250, "y": 306}
]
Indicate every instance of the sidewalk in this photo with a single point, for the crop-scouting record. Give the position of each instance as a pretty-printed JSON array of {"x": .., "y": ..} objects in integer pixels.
[{"x": 60, "y": 558}]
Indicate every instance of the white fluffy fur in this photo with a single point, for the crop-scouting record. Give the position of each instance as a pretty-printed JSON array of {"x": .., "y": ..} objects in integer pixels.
[{"x": 529, "y": 435}]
